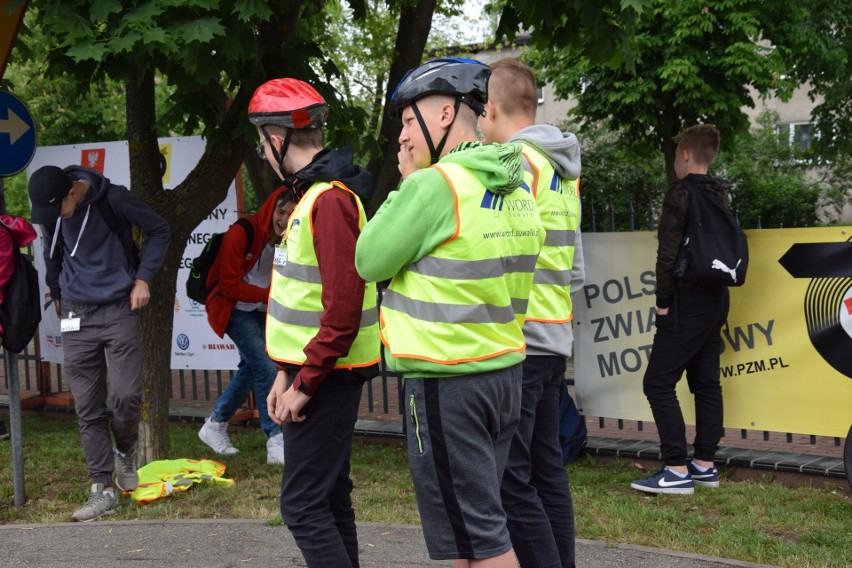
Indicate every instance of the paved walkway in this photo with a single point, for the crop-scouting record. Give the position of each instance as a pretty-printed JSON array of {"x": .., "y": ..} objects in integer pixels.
[{"x": 233, "y": 543}]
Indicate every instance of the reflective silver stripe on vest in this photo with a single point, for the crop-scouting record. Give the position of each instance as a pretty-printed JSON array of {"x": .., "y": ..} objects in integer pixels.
[
  {"x": 308, "y": 318},
  {"x": 455, "y": 269},
  {"x": 300, "y": 272},
  {"x": 453, "y": 313},
  {"x": 560, "y": 238},
  {"x": 554, "y": 277}
]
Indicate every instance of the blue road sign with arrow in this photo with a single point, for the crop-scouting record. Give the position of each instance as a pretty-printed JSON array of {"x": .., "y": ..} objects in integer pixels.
[{"x": 17, "y": 135}]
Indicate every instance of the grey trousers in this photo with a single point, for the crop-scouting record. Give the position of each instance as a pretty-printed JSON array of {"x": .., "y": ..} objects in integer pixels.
[{"x": 109, "y": 336}]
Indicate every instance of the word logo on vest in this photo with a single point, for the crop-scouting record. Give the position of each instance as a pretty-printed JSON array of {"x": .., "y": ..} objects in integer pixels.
[
  {"x": 556, "y": 184},
  {"x": 515, "y": 204}
]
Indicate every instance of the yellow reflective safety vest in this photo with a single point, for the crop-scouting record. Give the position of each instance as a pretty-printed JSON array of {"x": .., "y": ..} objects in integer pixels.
[
  {"x": 295, "y": 295},
  {"x": 466, "y": 299},
  {"x": 163, "y": 477},
  {"x": 558, "y": 203}
]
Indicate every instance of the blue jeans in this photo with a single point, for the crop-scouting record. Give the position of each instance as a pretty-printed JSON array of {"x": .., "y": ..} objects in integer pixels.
[
  {"x": 316, "y": 501},
  {"x": 255, "y": 370},
  {"x": 535, "y": 490}
]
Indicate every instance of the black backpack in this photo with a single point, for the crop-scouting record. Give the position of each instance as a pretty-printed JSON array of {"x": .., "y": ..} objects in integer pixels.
[
  {"x": 20, "y": 312},
  {"x": 572, "y": 427},
  {"x": 122, "y": 230},
  {"x": 196, "y": 282},
  {"x": 714, "y": 249}
]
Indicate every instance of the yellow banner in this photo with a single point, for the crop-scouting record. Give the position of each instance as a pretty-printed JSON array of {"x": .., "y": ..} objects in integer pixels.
[{"x": 786, "y": 364}]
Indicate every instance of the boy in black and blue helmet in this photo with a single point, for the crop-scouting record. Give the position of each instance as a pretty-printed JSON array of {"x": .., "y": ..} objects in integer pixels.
[{"x": 458, "y": 240}]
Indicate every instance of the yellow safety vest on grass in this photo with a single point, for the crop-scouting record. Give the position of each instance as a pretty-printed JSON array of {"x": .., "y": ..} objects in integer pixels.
[{"x": 162, "y": 477}]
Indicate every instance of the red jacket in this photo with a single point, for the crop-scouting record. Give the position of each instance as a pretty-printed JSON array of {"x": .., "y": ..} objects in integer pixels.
[
  {"x": 230, "y": 266},
  {"x": 19, "y": 234}
]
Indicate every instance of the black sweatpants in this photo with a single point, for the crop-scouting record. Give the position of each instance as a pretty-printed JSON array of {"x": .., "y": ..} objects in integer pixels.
[{"x": 688, "y": 338}]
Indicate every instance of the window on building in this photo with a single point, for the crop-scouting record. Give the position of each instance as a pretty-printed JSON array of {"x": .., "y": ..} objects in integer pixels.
[{"x": 799, "y": 133}]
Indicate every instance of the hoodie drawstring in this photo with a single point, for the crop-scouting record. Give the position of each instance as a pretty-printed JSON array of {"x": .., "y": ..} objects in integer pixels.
[{"x": 82, "y": 228}]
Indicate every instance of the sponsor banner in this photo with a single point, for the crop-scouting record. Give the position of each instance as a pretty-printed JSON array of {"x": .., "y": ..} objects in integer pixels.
[
  {"x": 194, "y": 345},
  {"x": 785, "y": 364}
]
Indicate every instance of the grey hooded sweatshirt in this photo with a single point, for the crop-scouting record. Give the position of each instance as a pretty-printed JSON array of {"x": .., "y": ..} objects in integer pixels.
[
  {"x": 86, "y": 260},
  {"x": 562, "y": 150}
]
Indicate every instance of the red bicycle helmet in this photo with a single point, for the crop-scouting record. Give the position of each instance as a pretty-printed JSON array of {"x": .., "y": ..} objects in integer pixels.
[{"x": 290, "y": 103}]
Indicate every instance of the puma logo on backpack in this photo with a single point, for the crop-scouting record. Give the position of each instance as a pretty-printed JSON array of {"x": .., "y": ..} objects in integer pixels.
[{"x": 714, "y": 249}]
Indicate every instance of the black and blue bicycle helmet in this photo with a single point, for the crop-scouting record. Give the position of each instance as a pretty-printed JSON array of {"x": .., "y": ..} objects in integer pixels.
[{"x": 464, "y": 79}]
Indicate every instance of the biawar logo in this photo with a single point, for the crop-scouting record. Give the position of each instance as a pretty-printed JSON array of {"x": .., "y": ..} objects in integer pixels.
[{"x": 828, "y": 299}]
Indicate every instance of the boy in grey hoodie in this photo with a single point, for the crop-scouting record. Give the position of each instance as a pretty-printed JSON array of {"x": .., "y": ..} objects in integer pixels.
[
  {"x": 535, "y": 490},
  {"x": 98, "y": 285}
]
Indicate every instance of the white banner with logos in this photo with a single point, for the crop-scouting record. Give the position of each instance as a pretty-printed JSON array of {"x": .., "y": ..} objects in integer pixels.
[{"x": 194, "y": 345}]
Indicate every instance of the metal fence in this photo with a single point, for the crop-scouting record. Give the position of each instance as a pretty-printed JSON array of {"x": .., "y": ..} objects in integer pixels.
[{"x": 193, "y": 392}]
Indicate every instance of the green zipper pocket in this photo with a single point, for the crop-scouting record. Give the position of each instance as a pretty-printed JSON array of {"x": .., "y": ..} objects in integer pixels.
[{"x": 415, "y": 422}]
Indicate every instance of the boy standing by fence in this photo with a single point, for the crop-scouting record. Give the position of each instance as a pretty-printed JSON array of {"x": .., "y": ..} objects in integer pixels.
[
  {"x": 688, "y": 336},
  {"x": 535, "y": 489}
]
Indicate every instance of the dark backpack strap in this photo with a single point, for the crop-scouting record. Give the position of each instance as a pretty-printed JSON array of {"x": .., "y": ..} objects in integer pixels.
[
  {"x": 249, "y": 229},
  {"x": 131, "y": 252}
]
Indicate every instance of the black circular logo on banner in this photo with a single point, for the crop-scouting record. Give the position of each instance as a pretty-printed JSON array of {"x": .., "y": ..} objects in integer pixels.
[
  {"x": 828, "y": 299},
  {"x": 828, "y": 313}
]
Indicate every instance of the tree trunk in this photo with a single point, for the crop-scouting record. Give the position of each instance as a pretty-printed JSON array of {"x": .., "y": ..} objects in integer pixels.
[
  {"x": 183, "y": 207},
  {"x": 146, "y": 182},
  {"x": 415, "y": 22},
  {"x": 670, "y": 127}
]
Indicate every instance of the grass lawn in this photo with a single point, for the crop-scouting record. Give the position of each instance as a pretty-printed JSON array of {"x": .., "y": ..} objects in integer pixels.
[{"x": 764, "y": 521}]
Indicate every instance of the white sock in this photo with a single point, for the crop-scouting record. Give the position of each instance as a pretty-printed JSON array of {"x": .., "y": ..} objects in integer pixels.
[
  {"x": 700, "y": 468},
  {"x": 677, "y": 473}
]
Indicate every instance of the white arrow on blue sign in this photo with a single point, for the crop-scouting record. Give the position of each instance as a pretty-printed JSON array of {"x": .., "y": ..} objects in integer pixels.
[{"x": 17, "y": 135}]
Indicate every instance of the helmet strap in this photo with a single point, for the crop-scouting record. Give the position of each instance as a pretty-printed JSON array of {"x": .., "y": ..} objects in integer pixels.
[
  {"x": 279, "y": 158},
  {"x": 435, "y": 152}
]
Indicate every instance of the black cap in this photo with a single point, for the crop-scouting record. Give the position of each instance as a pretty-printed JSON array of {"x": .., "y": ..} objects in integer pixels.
[{"x": 48, "y": 186}]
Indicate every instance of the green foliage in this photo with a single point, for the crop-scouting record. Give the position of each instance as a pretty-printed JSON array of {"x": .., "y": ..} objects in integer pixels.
[
  {"x": 769, "y": 177},
  {"x": 816, "y": 36},
  {"x": 773, "y": 184},
  {"x": 15, "y": 194},
  {"x": 613, "y": 181},
  {"x": 600, "y": 30},
  {"x": 694, "y": 62},
  {"x": 67, "y": 107}
]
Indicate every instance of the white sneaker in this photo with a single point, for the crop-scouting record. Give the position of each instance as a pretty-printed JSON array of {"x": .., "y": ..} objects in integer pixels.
[
  {"x": 215, "y": 435},
  {"x": 275, "y": 449}
]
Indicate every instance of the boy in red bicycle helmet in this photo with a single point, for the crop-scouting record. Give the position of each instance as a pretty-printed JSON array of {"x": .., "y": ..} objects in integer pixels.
[{"x": 322, "y": 322}]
